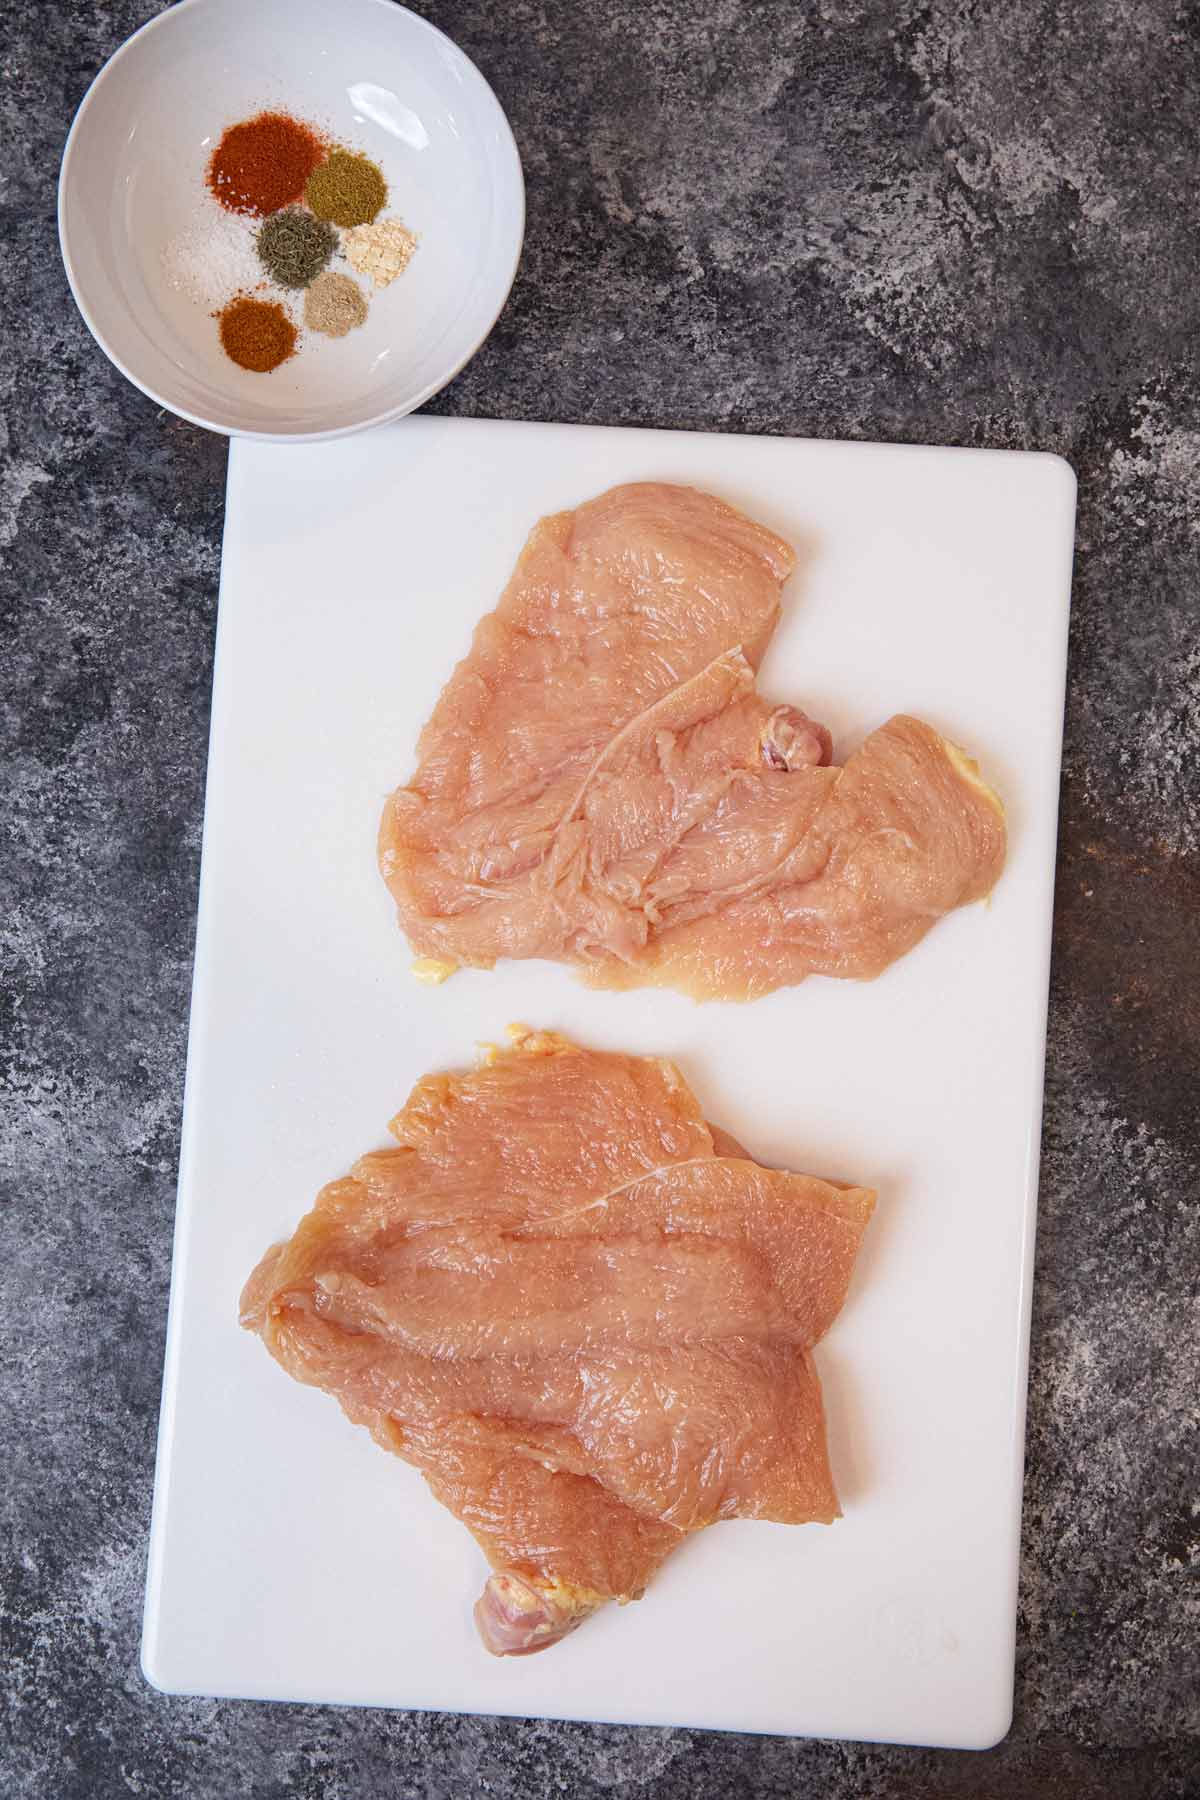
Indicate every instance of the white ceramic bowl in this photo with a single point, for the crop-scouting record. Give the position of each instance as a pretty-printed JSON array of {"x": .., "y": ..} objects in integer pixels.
[{"x": 376, "y": 78}]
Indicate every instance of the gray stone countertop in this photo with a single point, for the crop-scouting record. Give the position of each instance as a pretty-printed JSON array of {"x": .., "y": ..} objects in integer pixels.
[{"x": 939, "y": 222}]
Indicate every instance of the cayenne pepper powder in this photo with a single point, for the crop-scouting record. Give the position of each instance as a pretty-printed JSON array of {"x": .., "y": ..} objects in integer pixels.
[
  {"x": 256, "y": 334},
  {"x": 263, "y": 163}
]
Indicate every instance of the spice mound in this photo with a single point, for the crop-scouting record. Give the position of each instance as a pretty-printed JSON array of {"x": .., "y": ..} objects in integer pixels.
[
  {"x": 381, "y": 251},
  {"x": 293, "y": 247},
  {"x": 256, "y": 334},
  {"x": 212, "y": 258},
  {"x": 335, "y": 305},
  {"x": 346, "y": 189},
  {"x": 263, "y": 163}
]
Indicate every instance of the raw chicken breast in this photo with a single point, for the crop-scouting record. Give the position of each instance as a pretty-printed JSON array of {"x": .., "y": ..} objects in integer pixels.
[
  {"x": 585, "y": 1317},
  {"x": 601, "y": 782}
]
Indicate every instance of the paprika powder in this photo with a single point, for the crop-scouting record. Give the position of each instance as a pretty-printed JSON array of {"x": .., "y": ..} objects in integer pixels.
[{"x": 263, "y": 163}]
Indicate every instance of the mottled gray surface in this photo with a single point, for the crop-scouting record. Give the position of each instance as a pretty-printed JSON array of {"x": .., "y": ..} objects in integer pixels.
[{"x": 952, "y": 223}]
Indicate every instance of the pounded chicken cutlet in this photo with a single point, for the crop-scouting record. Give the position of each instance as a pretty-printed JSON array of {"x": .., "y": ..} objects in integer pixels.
[
  {"x": 582, "y": 1313},
  {"x": 601, "y": 782}
]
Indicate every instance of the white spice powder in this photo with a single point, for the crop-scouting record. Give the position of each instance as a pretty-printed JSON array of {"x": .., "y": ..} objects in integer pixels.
[{"x": 214, "y": 258}]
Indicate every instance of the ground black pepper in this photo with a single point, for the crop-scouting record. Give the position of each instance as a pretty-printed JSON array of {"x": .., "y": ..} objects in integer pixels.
[{"x": 335, "y": 305}]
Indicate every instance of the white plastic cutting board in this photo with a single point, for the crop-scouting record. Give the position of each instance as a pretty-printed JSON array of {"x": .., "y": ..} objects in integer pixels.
[{"x": 292, "y": 1559}]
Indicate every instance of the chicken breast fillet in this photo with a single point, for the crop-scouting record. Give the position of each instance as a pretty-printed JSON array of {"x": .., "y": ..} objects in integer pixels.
[
  {"x": 586, "y": 1322},
  {"x": 601, "y": 782}
]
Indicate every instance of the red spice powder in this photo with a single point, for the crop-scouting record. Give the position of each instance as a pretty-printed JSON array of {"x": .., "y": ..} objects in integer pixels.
[
  {"x": 263, "y": 163},
  {"x": 256, "y": 334}
]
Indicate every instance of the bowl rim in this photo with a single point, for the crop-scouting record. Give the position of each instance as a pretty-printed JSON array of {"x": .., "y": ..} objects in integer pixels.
[{"x": 283, "y": 437}]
